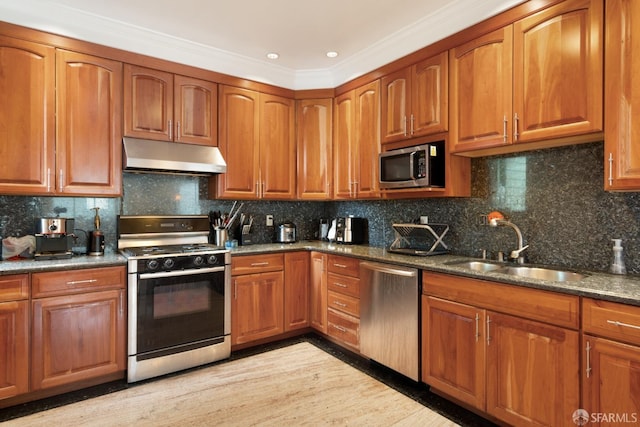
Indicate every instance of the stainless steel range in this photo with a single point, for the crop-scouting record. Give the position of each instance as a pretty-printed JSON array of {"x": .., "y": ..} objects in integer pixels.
[{"x": 179, "y": 289}]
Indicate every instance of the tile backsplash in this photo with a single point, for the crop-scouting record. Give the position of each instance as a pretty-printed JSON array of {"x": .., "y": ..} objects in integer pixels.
[{"x": 554, "y": 196}]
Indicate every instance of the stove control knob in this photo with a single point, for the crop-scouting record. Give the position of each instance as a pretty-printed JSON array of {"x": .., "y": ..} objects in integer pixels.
[
  {"x": 153, "y": 264},
  {"x": 198, "y": 261},
  {"x": 212, "y": 260},
  {"x": 168, "y": 263}
]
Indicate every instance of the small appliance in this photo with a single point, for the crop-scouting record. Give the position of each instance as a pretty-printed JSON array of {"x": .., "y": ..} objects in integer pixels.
[
  {"x": 96, "y": 237},
  {"x": 54, "y": 238},
  {"x": 323, "y": 231},
  {"x": 286, "y": 232},
  {"x": 418, "y": 166},
  {"x": 351, "y": 230}
]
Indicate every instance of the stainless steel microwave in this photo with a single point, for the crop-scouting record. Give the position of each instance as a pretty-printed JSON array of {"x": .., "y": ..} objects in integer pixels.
[{"x": 418, "y": 166}]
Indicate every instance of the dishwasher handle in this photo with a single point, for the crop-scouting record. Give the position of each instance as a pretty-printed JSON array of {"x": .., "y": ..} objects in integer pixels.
[{"x": 385, "y": 268}]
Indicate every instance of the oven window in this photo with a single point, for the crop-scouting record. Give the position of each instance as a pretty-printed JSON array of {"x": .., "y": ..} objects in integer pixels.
[{"x": 181, "y": 299}]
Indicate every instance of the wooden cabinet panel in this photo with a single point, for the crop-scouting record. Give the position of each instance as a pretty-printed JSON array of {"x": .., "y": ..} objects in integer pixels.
[
  {"x": 257, "y": 308},
  {"x": 55, "y": 283},
  {"x": 344, "y": 303},
  {"x": 346, "y": 266},
  {"x": 89, "y": 125},
  {"x": 344, "y": 284},
  {"x": 532, "y": 371},
  {"x": 430, "y": 96},
  {"x": 557, "y": 71},
  {"x": 296, "y": 290},
  {"x": 27, "y": 116},
  {"x": 318, "y": 289},
  {"x": 14, "y": 287},
  {"x": 195, "y": 111},
  {"x": 343, "y": 145},
  {"x": 453, "y": 349},
  {"x": 314, "y": 142},
  {"x": 14, "y": 348},
  {"x": 77, "y": 337},
  {"x": 256, "y": 264},
  {"x": 367, "y": 140},
  {"x": 148, "y": 103},
  {"x": 620, "y": 322},
  {"x": 344, "y": 327},
  {"x": 395, "y": 99},
  {"x": 622, "y": 95}
]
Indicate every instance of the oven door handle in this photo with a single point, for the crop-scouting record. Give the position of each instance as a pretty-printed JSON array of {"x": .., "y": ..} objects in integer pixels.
[{"x": 182, "y": 272}]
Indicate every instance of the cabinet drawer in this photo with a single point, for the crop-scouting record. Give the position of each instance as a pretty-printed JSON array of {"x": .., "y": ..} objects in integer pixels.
[
  {"x": 344, "y": 303},
  {"x": 343, "y": 327},
  {"x": 77, "y": 281},
  {"x": 612, "y": 320},
  {"x": 14, "y": 287},
  {"x": 344, "y": 284},
  {"x": 256, "y": 264},
  {"x": 344, "y": 265}
]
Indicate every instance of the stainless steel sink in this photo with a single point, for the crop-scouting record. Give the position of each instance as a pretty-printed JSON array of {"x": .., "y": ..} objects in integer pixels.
[
  {"x": 543, "y": 273},
  {"x": 477, "y": 265}
]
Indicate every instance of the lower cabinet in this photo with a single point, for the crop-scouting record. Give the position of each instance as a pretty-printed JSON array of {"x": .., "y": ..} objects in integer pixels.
[
  {"x": 78, "y": 326},
  {"x": 343, "y": 300},
  {"x": 296, "y": 290},
  {"x": 14, "y": 335},
  {"x": 490, "y": 346},
  {"x": 318, "y": 290}
]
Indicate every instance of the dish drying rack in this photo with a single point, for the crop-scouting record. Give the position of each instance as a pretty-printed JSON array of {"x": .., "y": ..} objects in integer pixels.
[{"x": 416, "y": 239}]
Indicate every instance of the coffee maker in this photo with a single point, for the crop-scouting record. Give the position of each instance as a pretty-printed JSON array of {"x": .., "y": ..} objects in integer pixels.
[{"x": 54, "y": 238}]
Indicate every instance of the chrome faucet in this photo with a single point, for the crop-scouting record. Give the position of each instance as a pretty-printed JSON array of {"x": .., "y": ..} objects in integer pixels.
[{"x": 515, "y": 254}]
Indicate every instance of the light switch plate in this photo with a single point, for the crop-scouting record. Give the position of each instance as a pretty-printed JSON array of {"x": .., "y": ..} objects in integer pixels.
[{"x": 269, "y": 220}]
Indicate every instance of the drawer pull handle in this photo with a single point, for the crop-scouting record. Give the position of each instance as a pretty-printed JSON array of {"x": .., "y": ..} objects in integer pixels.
[
  {"x": 488, "y": 331},
  {"x": 339, "y": 304},
  {"x": 477, "y": 327},
  {"x": 340, "y": 328},
  {"x": 259, "y": 264},
  {"x": 626, "y": 325},
  {"x": 81, "y": 282},
  {"x": 340, "y": 265},
  {"x": 588, "y": 351},
  {"x": 342, "y": 285}
]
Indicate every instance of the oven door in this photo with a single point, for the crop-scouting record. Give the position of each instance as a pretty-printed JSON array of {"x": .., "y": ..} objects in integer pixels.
[{"x": 176, "y": 311}]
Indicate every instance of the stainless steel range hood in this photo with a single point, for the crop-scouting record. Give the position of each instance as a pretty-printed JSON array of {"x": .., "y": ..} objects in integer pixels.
[{"x": 171, "y": 157}]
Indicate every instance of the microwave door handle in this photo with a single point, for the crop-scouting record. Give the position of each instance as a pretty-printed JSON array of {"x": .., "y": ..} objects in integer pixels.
[{"x": 412, "y": 163}]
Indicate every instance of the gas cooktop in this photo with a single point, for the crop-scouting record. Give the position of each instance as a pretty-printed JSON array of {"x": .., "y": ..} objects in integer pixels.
[{"x": 189, "y": 248}]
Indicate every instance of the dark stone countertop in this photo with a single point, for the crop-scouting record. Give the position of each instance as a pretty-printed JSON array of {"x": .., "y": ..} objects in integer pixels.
[{"x": 74, "y": 263}]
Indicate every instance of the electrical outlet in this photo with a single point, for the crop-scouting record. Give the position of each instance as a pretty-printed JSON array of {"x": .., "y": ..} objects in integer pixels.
[
  {"x": 269, "y": 220},
  {"x": 483, "y": 220}
]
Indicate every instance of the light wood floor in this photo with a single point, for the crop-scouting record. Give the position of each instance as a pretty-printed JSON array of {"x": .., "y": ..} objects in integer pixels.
[{"x": 291, "y": 386}]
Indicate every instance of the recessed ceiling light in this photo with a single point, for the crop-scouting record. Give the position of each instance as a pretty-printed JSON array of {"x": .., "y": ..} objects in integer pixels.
[
  {"x": 332, "y": 54},
  {"x": 272, "y": 55}
]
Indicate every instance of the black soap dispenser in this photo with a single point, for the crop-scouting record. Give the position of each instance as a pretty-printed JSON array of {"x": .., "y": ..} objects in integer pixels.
[{"x": 96, "y": 239}]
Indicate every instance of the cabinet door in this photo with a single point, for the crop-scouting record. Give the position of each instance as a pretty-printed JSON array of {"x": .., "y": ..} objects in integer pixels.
[
  {"x": 257, "y": 309},
  {"x": 453, "y": 349},
  {"x": 611, "y": 380},
  {"x": 148, "y": 103},
  {"x": 622, "y": 95},
  {"x": 239, "y": 143},
  {"x": 314, "y": 142},
  {"x": 318, "y": 287},
  {"x": 89, "y": 126},
  {"x": 195, "y": 111},
  {"x": 367, "y": 140},
  {"x": 532, "y": 371},
  {"x": 481, "y": 92},
  {"x": 277, "y": 148},
  {"x": 557, "y": 71},
  {"x": 77, "y": 337},
  {"x": 395, "y": 101},
  {"x": 430, "y": 96},
  {"x": 27, "y": 117},
  {"x": 343, "y": 145},
  {"x": 296, "y": 290},
  {"x": 14, "y": 348}
]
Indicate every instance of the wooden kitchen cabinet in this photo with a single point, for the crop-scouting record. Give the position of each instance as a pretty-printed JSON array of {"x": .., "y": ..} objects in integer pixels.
[
  {"x": 490, "y": 346},
  {"x": 14, "y": 335},
  {"x": 257, "y": 308},
  {"x": 622, "y": 96},
  {"x": 296, "y": 290},
  {"x": 414, "y": 100},
  {"x": 318, "y": 290},
  {"x": 343, "y": 300},
  {"x": 257, "y": 140},
  {"x": 539, "y": 79},
  {"x": 611, "y": 360},
  {"x": 357, "y": 143},
  {"x": 163, "y": 106},
  {"x": 78, "y": 326},
  {"x": 314, "y": 124}
]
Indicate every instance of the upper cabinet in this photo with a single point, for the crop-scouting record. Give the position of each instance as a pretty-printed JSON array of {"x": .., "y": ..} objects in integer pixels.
[
  {"x": 167, "y": 107},
  {"x": 314, "y": 123},
  {"x": 414, "y": 100},
  {"x": 75, "y": 151},
  {"x": 356, "y": 144},
  {"x": 539, "y": 79},
  {"x": 622, "y": 96},
  {"x": 257, "y": 140}
]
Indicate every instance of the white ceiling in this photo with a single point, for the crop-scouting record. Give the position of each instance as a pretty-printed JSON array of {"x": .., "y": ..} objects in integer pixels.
[{"x": 233, "y": 36}]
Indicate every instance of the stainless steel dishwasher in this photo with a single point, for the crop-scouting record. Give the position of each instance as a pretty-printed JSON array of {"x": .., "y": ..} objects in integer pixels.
[{"x": 389, "y": 304}]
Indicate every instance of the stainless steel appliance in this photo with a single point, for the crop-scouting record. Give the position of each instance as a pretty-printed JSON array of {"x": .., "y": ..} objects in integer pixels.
[
  {"x": 179, "y": 294},
  {"x": 351, "y": 230},
  {"x": 418, "y": 166},
  {"x": 286, "y": 233},
  {"x": 54, "y": 238},
  {"x": 389, "y": 307}
]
